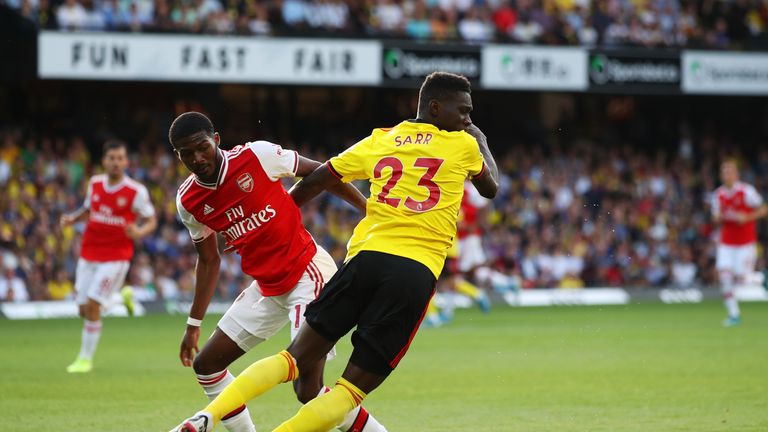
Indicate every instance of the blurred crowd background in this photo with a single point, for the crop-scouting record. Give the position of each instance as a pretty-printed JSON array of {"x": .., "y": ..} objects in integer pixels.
[
  {"x": 612, "y": 196},
  {"x": 722, "y": 24},
  {"x": 597, "y": 190}
]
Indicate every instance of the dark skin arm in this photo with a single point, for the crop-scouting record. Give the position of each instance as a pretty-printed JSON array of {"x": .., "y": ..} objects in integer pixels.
[
  {"x": 488, "y": 183},
  {"x": 345, "y": 191},
  {"x": 319, "y": 180},
  {"x": 206, "y": 276}
]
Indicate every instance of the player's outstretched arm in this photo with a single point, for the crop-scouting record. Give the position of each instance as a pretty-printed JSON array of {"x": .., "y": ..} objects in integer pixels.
[
  {"x": 206, "y": 276},
  {"x": 319, "y": 180},
  {"x": 488, "y": 182},
  {"x": 345, "y": 191},
  {"x": 76, "y": 216}
]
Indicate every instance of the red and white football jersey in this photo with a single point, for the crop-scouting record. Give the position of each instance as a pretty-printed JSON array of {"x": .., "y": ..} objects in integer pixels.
[
  {"x": 727, "y": 203},
  {"x": 471, "y": 204},
  {"x": 112, "y": 208},
  {"x": 250, "y": 208}
]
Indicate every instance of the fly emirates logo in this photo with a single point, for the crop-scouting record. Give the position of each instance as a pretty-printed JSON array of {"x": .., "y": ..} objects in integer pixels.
[
  {"x": 104, "y": 215},
  {"x": 241, "y": 224}
]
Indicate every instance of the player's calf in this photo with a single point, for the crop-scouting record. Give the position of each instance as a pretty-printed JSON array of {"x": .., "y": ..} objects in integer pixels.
[{"x": 357, "y": 420}]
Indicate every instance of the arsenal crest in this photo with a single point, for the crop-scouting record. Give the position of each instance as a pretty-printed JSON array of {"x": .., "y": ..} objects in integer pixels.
[
  {"x": 121, "y": 202},
  {"x": 245, "y": 182}
]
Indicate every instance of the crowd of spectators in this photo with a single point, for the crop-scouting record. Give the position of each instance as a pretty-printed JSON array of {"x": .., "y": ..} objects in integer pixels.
[
  {"x": 643, "y": 23},
  {"x": 569, "y": 216}
]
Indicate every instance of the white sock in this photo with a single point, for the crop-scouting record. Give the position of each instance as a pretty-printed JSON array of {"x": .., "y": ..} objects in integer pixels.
[
  {"x": 90, "y": 339},
  {"x": 357, "y": 420},
  {"x": 732, "y": 306},
  {"x": 238, "y": 420},
  {"x": 728, "y": 287},
  {"x": 360, "y": 420},
  {"x": 449, "y": 305}
]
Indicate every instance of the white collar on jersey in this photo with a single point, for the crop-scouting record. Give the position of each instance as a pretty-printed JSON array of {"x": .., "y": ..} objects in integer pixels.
[
  {"x": 738, "y": 185},
  {"x": 222, "y": 173},
  {"x": 113, "y": 187}
]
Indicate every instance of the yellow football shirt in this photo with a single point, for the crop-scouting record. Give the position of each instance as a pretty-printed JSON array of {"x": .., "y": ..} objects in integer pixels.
[{"x": 417, "y": 175}]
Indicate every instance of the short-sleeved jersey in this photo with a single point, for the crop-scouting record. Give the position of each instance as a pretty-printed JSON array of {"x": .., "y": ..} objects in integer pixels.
[
  {"x": 741, "y": 198},
  {"x": 417, "y": 175},
  {"x": 249, "y": 206},
  {"x": 112, "y": 208}
]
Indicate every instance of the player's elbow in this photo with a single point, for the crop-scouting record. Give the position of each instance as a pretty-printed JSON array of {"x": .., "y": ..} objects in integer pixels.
[
  {"x": 488, "y": 188},
  {"x": 491, "y": 192},
  {"x": 151, "y": 224}
]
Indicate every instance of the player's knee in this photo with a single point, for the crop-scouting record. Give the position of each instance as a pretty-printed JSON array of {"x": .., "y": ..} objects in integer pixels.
[
  {"x": 305, "y": 391},
  {"x": 203, "y": 365},
  {"x": 307, "y": 387}
]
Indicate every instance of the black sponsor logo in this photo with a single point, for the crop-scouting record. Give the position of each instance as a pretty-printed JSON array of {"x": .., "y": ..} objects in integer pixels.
[
  {"x": 206, "y": 57},
  {"x": 324, "y": 61},
  {"x": 99, "y": 55},
  {"x": 622, "y": 71},
  {"x": 408, "y": 64}
]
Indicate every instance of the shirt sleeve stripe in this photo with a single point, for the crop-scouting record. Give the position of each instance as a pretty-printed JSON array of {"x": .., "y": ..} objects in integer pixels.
[
  {"x": 482, "y": 171},
  {"x": 333, "y": 170}
]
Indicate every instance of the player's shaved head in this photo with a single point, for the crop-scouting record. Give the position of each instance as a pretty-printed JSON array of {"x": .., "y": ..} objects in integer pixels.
[
  {"x": 188, "y": 124},
  {"x": 445, "y": 101},
  {"x": 439, "y": 85}
]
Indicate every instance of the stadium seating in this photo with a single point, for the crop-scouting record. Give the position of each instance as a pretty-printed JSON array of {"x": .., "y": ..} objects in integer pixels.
[
  {"x": 607, "y": 23},
  {"x": 565, "y": 217}
]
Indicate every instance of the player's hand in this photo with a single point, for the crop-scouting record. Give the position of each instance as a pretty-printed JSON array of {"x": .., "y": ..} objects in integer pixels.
[
  {"x": 132, "y": 231},
  {"x": 66, "y": 220},
  {"x": 189, "y": 349},
  {"x": 475, "y": 132},
  {"x": 740, "y": 218}
]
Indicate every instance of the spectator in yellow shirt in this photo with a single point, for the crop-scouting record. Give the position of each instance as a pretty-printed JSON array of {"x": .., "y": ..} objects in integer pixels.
[{"x": 60, "y": 288}]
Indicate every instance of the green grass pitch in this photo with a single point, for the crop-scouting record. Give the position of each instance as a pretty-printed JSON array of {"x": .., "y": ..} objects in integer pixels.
[{"x": 643, "y": 367}]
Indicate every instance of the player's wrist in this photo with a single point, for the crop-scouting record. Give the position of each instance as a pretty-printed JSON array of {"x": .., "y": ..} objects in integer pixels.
[{"x": 194, "y": 322}]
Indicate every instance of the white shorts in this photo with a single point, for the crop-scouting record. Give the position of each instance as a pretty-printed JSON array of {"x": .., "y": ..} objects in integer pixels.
[
  {"x": 471, "y": 253},
  {"x": 739, "y": 260},
  {"x": 253, "y": 318},
  {"x": 99, "y": 280}
]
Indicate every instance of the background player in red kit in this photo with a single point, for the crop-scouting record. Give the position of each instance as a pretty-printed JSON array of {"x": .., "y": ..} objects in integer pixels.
[
  {"x": 119, "y": 211},
  {"x": 238, "y": 194},
  {"x": 737, "y": 206}
]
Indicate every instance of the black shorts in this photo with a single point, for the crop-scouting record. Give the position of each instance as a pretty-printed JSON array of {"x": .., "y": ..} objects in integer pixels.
[{"x": 385, "y": 296}]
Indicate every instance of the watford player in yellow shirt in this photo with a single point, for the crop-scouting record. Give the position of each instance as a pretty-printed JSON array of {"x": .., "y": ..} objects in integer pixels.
[{"x": 417, "y": 171}]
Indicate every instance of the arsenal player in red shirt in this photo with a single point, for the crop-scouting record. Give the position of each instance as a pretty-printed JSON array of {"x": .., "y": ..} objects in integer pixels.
[
  {"x": 238, "y": 194},
  {"x": 737, "y": 206},
  {"x": 118, "y": 211}
]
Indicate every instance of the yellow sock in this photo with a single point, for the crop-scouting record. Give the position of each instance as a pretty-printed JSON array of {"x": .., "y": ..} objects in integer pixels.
[
  {"x": 467, "y": 289},
  {"x": 255, "y": 380},
  {"x": 326, "y": 411}
]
